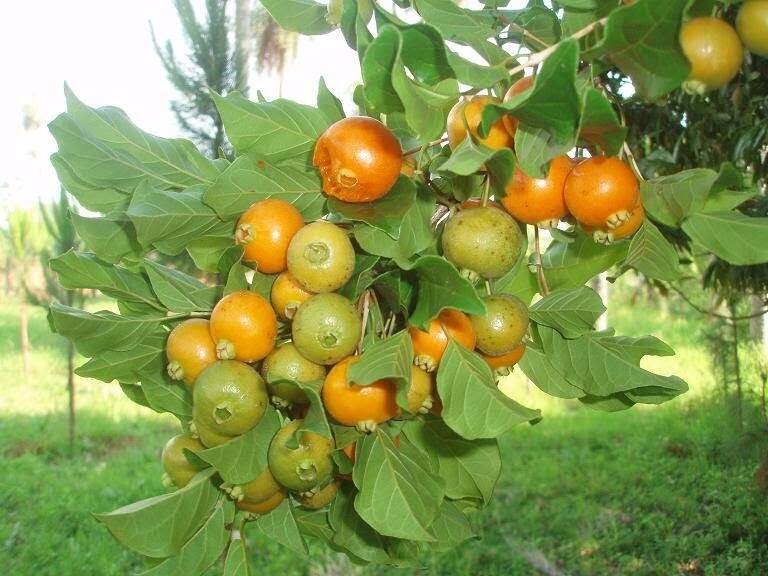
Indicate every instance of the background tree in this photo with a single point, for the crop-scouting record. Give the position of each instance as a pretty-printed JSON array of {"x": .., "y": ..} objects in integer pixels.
[
  {"x": 24, "y": 240},
  {"x": 210, "y": 64},
  {"x": 57, "y": 217},
  {"x": 275, "y": 46}
]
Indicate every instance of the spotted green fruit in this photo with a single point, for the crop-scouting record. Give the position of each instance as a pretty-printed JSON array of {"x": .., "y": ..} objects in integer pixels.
[
  {"x": 305, "y": 466},
  {"x": 326, "y": 328},
  {"x": 229, "y": 398},
  {"x": 175, "y": 463},
  {"x": 502, "y": 327},
  {"x": 321, "y": 257},
  {"x": 286, "y": 363},
  {"x": 482, "y": 241}
]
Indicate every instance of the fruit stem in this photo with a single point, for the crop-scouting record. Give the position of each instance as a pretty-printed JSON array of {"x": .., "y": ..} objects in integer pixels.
[
  {"x": 543, "y": 286},
  {"x": 420, "y": 148},
  {"x": 366, "y": 298},
  {"x": 539, "y": 57},
  {"x": 486, "y": 190}
]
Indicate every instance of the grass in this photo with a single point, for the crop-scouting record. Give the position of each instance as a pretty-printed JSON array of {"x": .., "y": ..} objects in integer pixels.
[{"x": 652, "y": 491}]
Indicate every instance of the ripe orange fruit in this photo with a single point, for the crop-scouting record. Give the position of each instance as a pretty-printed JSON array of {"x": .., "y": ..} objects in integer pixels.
[
  {"x": 262, "y": 507},
  {"x": 539, "y": 201},
  {"x": 625, "y": 230},
  {"x": 752, "y": 26},
  {"x": 420, "y": 391},
  {"x": 359, "y": 159},
  {"x": 510, "y": 122},
  {"x": 505, "y": 360},
  {"x": 714, "y": 50},
  {"x": 190, "y": 349},
  {"x": 266, "y": 229},
  {"x": 287, "y": 295},
  {"x": 322, "y": 497},
  {"x": 601, "y": 192},
  {"x": 470, "y": 112},
  {"x": 243, "y": 326},
  {"x": 429, "y": 346},
  {"x": 353, "y": 405}
]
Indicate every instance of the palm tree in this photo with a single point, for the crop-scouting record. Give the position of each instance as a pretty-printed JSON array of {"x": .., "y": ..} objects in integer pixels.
[{"x": 24, "y": 239}]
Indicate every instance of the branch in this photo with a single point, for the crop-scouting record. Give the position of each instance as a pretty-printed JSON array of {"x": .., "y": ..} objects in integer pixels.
[
  {"x": 701, "y": 310},
  {"x": 542, "y": 280}
]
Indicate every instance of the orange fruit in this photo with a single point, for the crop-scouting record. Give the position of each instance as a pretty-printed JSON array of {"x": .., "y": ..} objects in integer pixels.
[
  {"x": 752, "y": 26},
  {"x": 262, "y": 507},
  {"x": 190, "y": 349},
  {"x": 265, "y": 230},
  {"x": 510, "y": 122},
  {"x": 359, "y": 159},
  {"x": 624, "y": 230},
  {"x": 714, "y": 50},
  {"x": 539, "y": 201},
  {"x": 353, "y": 405},
  {"x": 505, "y": 360},
  {"x": 287, "y": 295},
  {"x": 429, "y": 346},
  {"x": 601, "y": 192},
  {"x": 243, "y": 326},
  {"x": 470, "y": 112}
]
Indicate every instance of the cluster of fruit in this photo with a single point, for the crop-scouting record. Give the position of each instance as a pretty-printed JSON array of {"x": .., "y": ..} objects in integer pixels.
[
  {"x": 715, "y": 49},
  {"x": 601, "y": 193}
]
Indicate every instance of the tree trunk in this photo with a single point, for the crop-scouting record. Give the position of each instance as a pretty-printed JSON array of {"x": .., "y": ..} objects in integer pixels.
[
  {"x": 71, "y": 391},
  {"x": 24, "y": 336},
  {"x": 243, "y": 43}
]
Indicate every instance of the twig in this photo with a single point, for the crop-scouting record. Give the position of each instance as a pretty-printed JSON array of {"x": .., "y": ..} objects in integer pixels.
[
  {"x": 170, "y": 317},
  {"x": 701, "y": 310},
  {"x": 424, "y": 146},
  {"x": 486, "y": 190},
  {"x": 633, "y": 162},
  {"x": 539, "y": 57},
  {"x": 543, "y": 286},
  {"x": 527, "y": 33},
  {"x": 366, "y": 310}
]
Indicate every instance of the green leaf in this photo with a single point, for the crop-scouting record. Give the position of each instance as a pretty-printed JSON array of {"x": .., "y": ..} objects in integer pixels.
[
  {"x": 572, "y": 312},
  {"x": 454, "y": 22},
  {"x": 206, "y": 251},
  {"x": 473, "y": 406},
  {"x": 670, "y": 199},
  {"x": 280, "y": 526},
  {"x": 304, "y": 16},
  {"x": 476, "y": 75},
  {"x": 441, "y": 286},
  {"x": 180, "y": 292},
  {"x": 94, "y": 333},
  {"x": 236, "y": 563},
  {"x": 110, "y": 240},
  {"x": 165, "y": 395},
  {"x": 272, "y": 131},
  {"x": 736, "y": 238},
  {"x": 328, "y": 104},
  {"x": 106, "y": 200},
  {"x": 314, "y": 523},
  {"x": 362, "y": 276},
  {"x": 171, "y": 221},
  {"x": 246, "y": 181},
  {"x": 470, "y": 468},
  {"x": 125, "y": 365},
  {"x": 652, "y": 254},
  {"x": 262, "y": 283},
  {"x": 519, "y": 281},
  {"x": 451, "y": 527},
  {"x": 244, "y": 457},
  {"x": 547, "y": 377},
  {"x": 400, "y": 491},
  {"x": 385, "y": 214},
  {"x": 396, "y": 290},
  {"x": 391, "y": 359},
  {"x": 158, "y": 527},
  {"x": 599, "y": 124},
  {"x": 200, "y": 552},
  {"x": 567, "y": 265},
  {"x": 315, "y": 420},
  {"x": 601, "y": 364},
  {"x": 350, "y": 532},
  {"x": 104, "y": 148},
  {"x": 642, "y": 40},
  {"x": 551, "y": 105},
  {"x": 415, "y": 230},
  {"x": 80, "y": 270},
  {"x": 470, "y": 157},
  {"x": 134, "y": 393}
]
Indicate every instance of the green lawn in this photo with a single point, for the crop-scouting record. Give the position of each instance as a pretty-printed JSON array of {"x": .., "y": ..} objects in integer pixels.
[{"x": 667, "y": 490}]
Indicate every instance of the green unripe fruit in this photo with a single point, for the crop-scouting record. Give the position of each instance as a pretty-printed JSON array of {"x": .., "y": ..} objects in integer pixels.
[
  {"x": 302, "y": 468},
  {"x": 175, "y": 463},
  {"x": 503, "y": 326},
  {"x": 326, "y": 328},
  {"x": 286, "y": 363}
]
